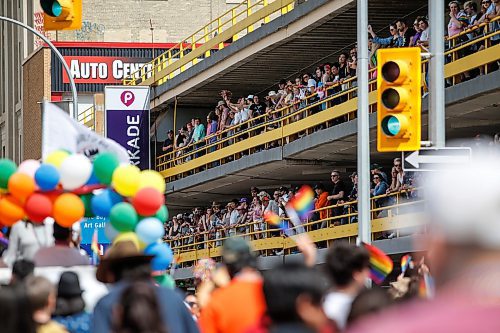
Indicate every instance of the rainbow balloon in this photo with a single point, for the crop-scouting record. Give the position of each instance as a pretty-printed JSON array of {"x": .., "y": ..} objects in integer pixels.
[{"x": 380, "y": 264}]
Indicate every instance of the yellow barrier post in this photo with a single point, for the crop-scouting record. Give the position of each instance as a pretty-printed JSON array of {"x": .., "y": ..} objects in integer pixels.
[
  {"x": 219, "y": 30},
  {"x": 181, "y": 55},
  {"x": 207, "y": 38},
  {"x": 233, "y": 22},
  {"x": 193, "y": 47},
  {"x": 249, "y": 12},
  {"x": 267, "y": 19}
]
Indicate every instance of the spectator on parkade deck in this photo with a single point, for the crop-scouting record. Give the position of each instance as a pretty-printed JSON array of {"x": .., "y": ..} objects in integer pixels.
[
  {"x": 168, "y": 144},
  {"x": 320, "y": 202},
  {"x": 338, "y": 195},
  {"x": 458, "y": 19},
  {"x": 405, "y": 32},
  {"x": 393, "y": 41},
  {"x": 423, "y": 40}
]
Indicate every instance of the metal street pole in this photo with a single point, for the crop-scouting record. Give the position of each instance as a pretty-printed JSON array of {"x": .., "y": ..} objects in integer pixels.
[
  {"x": 58, "y": 54},
  {"x": 364, "y": 221},
  {"x": 436, "y": 74}
]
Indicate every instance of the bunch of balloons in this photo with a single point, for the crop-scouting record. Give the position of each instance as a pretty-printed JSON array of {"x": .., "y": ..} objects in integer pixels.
[{"x": 69, "y": 187}]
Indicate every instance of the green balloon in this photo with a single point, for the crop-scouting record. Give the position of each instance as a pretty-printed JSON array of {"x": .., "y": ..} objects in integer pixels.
[
  {"x": 7, "y": 169},
  {"x": 86, "y": 198},
  {"x": 162, "y": 214},
  {"x": 104, "y": 166},
  {"x": 123, "y": 217}
]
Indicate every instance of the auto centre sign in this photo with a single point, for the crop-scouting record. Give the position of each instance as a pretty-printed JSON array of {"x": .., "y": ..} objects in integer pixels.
[
  {"x": 103, "y": 70},
  {"x": 127, "y": 121}
]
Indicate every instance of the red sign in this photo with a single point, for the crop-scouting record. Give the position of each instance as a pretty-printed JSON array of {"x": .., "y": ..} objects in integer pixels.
[{"x": 102, "y": 70}]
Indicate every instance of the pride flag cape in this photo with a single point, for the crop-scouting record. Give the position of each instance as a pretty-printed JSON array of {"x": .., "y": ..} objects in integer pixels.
[{"x": 380, "y": 264}]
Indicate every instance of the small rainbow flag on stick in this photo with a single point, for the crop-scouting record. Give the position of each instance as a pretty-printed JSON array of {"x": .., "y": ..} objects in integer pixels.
[
  {"x": 405, "y": 262},
  {"x": 275, "y": 220},
  {"x": 303, "y": 201},
  {"x": 380, "y": 264}
]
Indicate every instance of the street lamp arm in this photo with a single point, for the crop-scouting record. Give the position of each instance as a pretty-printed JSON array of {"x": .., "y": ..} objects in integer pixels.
[{"x": 57, "y": 53}]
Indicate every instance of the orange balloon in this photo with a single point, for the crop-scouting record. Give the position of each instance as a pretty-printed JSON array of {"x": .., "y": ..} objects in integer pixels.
[
  {"x": 21, "y": 186},
  {"x": 11, "y": 210},
  {"x": 68, "y": 209}
]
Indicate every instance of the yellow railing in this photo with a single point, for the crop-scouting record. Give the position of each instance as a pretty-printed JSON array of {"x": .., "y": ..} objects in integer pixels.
[
  {"x": 398, "y": 214},
  {"x": 87, "y": 118},
  {"x": 225, "y": 29},
  {"x": 289, "y": 123}
]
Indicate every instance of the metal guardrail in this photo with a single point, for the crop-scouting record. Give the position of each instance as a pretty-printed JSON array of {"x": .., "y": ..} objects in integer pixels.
[
  {"x": 399, "y": 214},
  {"x": 233, "y": 24},
  {"x": 287, "y": 124}
]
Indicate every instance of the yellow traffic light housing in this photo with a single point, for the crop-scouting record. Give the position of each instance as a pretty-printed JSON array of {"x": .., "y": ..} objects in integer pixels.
[
  {"x": 62, "y": 14},
  {"x": 399, "y": 99}
]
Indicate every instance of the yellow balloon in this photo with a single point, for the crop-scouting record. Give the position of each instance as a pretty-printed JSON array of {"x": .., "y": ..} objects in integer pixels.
[
  {"x": 56, "y": 158},
  {"x": 153, "y": 179},
  {"x": 125, "y": 179},
  {"x": 128, "y": 236}
]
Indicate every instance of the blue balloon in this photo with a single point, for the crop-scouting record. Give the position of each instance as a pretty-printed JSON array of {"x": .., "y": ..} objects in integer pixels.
[
  {"x": 150, "y": 230},
  {"x": 93, "y": 180},
  {"x": 103, "y": 202},
  {"x": 47, "y": 177},
  {"x": 110, "y": 232},
  {"x": 163, "y": 256}
]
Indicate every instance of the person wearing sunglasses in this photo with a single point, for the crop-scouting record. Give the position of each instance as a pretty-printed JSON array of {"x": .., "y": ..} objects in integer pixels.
[{"x": 394, "y": 40}]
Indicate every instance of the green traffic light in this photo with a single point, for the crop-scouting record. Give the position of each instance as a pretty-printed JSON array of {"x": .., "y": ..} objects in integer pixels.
[
  {"x": 391, "y": 126},
  {"x": 56, "y": 9},
  {"x": 51, "y": 7}
]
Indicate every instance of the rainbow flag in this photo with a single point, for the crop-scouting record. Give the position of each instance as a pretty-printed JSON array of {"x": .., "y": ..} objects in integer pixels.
[
  {"x": 303, "y": 201},
  {"x": 275, "y": 220},
  {"x": 426, "y": 287},
  {"x": 380, "y": 264},
  {"x": 272, "y": 218},
  {"x": 405, "y": 263}
]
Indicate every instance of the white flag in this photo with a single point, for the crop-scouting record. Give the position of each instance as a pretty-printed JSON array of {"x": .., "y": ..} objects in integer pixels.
[{"x": 60, "y": 131}]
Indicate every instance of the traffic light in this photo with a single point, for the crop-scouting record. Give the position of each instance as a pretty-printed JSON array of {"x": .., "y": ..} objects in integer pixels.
[
  {"x": 62, "y": 14},
  {"x": 398, "y": 99}
]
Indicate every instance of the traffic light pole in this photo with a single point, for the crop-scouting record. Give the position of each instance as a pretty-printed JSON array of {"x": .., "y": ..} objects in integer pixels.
[
  {"x": 436, "y": 75},
  {"x": 58, "y": 54},
  {"x": 364, "y": 222}
]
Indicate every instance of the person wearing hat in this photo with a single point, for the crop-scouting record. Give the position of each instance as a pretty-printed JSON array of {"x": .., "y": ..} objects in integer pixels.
[
  {"x": 122, "y": 265},
  {"x": 70, "y": 306},
  {"x": 168, "y": 144},
  {"x": 377, "y": 169},
  {"x": 240, "y": 305}
]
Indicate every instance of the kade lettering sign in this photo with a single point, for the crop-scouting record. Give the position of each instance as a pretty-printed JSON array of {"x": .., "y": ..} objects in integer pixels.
[
  {"x": 102, "y": 70},
  {"x": 127, "y": 121}
]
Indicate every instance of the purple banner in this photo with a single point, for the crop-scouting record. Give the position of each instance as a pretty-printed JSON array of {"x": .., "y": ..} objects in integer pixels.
[{"x": 130, "y": 128}]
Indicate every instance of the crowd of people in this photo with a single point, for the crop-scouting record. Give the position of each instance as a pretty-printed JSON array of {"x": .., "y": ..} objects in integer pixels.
[
  {"x": 334, "y": 204},
  {"x": 231, "y": 117}
]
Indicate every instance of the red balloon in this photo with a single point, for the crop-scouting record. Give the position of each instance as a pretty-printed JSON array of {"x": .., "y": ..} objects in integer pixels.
[
  {"x": 147, "y": 201},
  {"x": 38, "y": 207}
]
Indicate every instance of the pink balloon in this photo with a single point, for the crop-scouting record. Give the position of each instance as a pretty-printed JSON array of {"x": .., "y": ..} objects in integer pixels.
[{"x": 29, "y": 167}]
